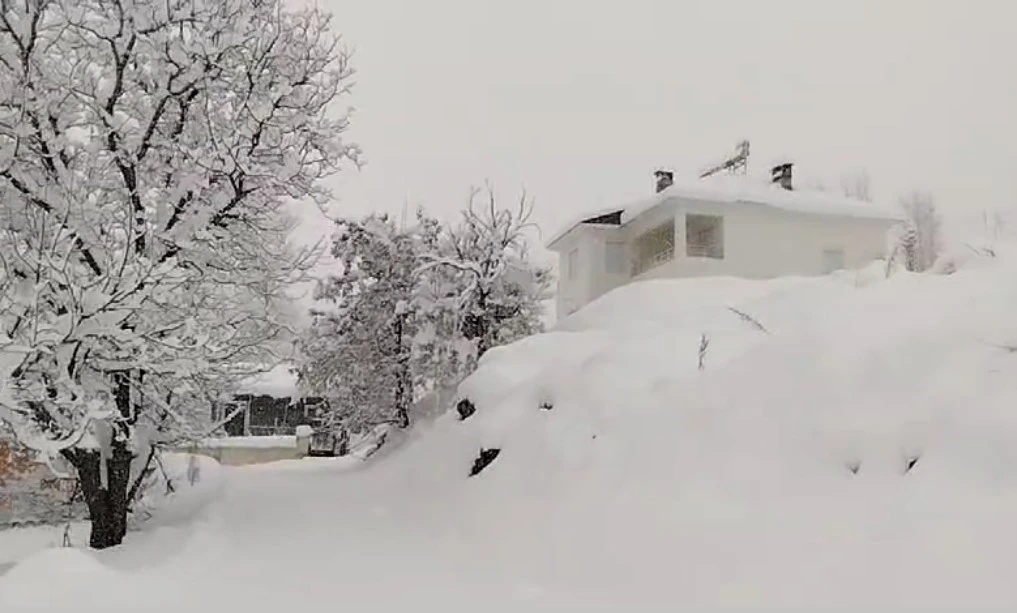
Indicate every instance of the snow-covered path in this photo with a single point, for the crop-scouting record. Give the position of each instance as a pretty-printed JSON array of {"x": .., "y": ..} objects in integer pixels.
[{"x": 278, "y": 537}]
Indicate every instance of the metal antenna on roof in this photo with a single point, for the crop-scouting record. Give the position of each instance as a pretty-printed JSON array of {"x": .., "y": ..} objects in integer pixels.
[{"x": 735, "y": 164}]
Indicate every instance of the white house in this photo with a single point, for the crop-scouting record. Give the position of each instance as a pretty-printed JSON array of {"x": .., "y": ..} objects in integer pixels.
[{"x": 731, "y": 225}]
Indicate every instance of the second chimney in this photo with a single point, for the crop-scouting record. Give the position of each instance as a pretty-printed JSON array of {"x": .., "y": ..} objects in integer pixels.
[
  {"x": 781, "y": 174},
  {"x": 665, "y": 179}
]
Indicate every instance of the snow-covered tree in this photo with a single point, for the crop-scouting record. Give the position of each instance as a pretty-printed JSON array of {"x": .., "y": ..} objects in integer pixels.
[
  {"x": 358, "y": 352},
  {"x": 413, "y": 308},
  {"x": 495, "y": 292},
  {"x": 149, "y": 150},
  {"x": 441, "y": 354},
  {"x": 857, "y": 185},
  {"x": 921, "y": 238}
]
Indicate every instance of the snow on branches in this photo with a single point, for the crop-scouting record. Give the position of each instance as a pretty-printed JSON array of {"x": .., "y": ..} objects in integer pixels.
[
  {"x": 358, "y": 353},
  {"x": 148, "y": 152},
  {"x": 496, "y": 292},
  {"x": 414, "y": 308}
]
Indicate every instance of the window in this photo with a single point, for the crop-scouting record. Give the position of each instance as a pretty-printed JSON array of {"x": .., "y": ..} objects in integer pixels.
[
  {"x": 704, "y": 236},
  {"x": 615, "y": 258},
  {"x": 833, "y": 259},
  {"x": 573, "y": 263},
  {"x": 655, "y": 247}
]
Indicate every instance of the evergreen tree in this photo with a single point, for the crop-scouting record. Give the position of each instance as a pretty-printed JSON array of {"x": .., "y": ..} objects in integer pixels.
[{"x": 358, "y": 352}]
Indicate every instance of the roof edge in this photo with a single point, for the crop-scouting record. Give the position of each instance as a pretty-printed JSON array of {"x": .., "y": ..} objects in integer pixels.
[{"x": 612, "y": 216}]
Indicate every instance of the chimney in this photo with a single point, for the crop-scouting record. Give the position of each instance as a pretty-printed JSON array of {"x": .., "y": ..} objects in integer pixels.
[
  {"x": 781, "y": 174},
  {"x": 665, "y": 179}
]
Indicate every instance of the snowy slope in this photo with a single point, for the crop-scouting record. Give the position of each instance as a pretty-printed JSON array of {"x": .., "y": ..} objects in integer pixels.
[
  {"x": 628, "y": 477},
  {"x": 734, "y": 485}
]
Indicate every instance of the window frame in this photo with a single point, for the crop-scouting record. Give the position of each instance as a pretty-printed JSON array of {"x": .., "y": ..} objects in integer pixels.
[
  {"x": 826, "y": 260},
  {"x": 662, "y": 251},
  {"x": 714, "y": 249}
]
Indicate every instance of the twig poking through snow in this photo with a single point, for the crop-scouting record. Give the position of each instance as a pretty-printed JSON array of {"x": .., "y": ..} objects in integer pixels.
[
  {"x": 704, "y": 344},
  {"x": 752, "y": 320},
  {"x": 982, "y": 251},
  {"x": 910, "y": 463},
  {"x": 1008, "y": 347}
]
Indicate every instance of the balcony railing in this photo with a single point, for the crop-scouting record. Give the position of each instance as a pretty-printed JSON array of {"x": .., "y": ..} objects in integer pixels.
[{"x": 653, "y": 261}]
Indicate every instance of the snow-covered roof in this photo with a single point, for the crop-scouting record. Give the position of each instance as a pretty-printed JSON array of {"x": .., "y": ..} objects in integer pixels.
[
  {"x": 745, "y": 190},
  {"x": 278, "y": 382},
  {"x": 578, "y": 219}
]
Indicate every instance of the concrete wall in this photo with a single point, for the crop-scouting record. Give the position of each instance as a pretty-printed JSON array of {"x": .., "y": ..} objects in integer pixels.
[
  {"x": 241, "y": 456},
  {"x": 245, "y": 450}
]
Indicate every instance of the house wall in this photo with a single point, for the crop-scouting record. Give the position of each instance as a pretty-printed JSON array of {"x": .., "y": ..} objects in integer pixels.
[
  {"x": 764, "y": 242},
  {"x": 592, "y": 278},
  {"x": 759, "y": 242}
]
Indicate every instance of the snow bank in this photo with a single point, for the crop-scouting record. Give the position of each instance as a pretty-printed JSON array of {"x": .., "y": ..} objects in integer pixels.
[
  {"x": 19, "y": 543},
  {"x": 858, "y": 446},
  {"x": 175, "y": 497},
  {"x": 850, "y": 443},
  {"x": 80, "y": 573},
  {"x": 185, "y": 486}
]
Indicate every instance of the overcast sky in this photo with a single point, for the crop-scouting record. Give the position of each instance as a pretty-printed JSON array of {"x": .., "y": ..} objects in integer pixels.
[{"x": 580, "y": 100}]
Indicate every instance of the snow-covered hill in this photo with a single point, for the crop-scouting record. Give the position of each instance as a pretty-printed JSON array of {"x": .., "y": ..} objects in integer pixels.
[
  {"x": 848, "y": 441},
  {"x": 860, "y": 447}
]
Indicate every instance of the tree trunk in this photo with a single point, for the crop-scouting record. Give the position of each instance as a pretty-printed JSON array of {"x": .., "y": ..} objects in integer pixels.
[
  {"x": 404, "y": 379},
  {"x": 107, "y": 506}
]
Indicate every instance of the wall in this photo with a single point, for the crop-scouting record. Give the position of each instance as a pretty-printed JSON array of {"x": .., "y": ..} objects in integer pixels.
[
  {"x": 592, "y": 278},
  {"x": 242, "y": 456},
  {"x": 759, "y": 242},
  {"x": 244, "y": 450}
]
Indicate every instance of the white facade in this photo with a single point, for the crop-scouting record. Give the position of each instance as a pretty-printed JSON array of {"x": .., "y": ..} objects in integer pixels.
[{"x": 679, "y": 235}]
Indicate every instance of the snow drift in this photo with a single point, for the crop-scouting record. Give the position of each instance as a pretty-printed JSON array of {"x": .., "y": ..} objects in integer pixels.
[{"x": 848, "y": 440}]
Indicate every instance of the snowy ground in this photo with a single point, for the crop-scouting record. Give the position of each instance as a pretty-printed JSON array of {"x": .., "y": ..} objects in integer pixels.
[
  {"x": 860, "y": 452},
  {"x": 195, "y": 482}
]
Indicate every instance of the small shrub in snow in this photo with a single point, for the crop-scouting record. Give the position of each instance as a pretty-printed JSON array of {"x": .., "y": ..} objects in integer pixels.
[{"x": 484, "y": 460}]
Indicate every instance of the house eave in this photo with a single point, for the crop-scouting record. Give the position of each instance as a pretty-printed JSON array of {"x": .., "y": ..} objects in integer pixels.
[{"x": 611, "y": 218}]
